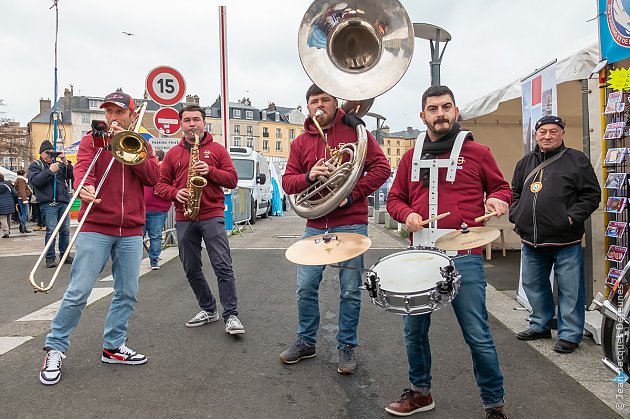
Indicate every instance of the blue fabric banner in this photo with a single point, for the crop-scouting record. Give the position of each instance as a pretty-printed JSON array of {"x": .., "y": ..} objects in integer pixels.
[{"x": 614, "y": 29}]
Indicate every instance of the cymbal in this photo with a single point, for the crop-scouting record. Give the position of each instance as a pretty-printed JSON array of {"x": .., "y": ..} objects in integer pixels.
[
  {"x": 467, "y": 239},
  {"x": 324, "y": 249}
]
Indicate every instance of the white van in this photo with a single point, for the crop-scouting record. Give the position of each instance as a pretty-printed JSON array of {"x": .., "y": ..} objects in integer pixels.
[{"x": 253, "y": 173}]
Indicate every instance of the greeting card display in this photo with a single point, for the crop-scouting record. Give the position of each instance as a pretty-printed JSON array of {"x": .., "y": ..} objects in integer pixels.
[
  {"x": 615, "y": 155},
  {"x": 613, "y": 276},
  {"x": 616, "y": 204},
  {"x": 615, "y": 181},
  {"x": 614, "y": 130},
  {"x": 616, "y": 229},
  {"x": 616, "y": 253},
  {"x": 614, "y": 100}
]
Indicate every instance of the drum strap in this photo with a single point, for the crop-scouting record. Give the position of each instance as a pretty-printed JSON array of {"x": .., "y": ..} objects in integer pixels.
[{"x": 417, "y": 163}]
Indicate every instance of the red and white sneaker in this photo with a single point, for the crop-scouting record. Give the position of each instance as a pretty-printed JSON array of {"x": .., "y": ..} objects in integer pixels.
[
  {"x": 123, "y": 355},
  {"x": 51, "y": 367}
]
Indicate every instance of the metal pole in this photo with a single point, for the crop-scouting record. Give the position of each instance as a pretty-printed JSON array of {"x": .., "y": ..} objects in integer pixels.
[
  {"x": 225, "y": 103},
  {"x": 586, "y": 147}
]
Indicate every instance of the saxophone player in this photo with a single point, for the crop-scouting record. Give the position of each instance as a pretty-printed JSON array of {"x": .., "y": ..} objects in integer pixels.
[{"x": 197, "y": 155}]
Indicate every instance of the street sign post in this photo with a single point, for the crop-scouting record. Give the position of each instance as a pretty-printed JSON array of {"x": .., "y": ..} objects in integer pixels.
[
  {"x": 165, "y": 85},
  {"x": 166, "y": 120}
]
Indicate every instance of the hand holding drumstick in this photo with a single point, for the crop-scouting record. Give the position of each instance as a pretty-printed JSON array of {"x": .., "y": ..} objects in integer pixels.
[{"x": 414, "y": 221}]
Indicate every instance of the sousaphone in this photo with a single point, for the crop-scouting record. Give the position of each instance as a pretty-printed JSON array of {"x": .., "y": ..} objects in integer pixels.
[{"x": 353, "y": 50}]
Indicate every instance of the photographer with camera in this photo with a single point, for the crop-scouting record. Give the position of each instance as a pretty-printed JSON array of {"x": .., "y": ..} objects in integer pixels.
[{"x": 49, "y": 178}]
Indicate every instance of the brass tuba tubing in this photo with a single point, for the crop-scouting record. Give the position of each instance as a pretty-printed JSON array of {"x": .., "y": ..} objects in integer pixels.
[{"x": 46, "y": 289}]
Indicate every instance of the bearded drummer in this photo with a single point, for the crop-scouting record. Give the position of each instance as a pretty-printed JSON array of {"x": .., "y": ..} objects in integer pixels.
[{"x": 462, "y": 187}]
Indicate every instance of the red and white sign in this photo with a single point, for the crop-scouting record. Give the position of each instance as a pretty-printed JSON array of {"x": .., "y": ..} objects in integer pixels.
[
  {"x": 166, "y": 120},
  {"x": 165, "y": 85}
]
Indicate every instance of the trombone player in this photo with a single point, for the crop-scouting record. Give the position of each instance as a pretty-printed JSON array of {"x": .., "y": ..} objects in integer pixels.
[{"x": 113, "y": 228}]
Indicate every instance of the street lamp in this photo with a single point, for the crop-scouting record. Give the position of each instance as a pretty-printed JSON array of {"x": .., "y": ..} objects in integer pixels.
[{"x": 435, "y": 35}]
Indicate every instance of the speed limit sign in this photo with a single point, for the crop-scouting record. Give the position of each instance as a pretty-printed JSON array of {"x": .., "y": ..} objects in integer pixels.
[{"x": 165, "y": 85}]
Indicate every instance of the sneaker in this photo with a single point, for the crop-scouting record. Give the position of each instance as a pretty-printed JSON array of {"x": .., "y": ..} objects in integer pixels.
[
  {"x": 233, "y": 326},
  {"x": 530, "y": 334},
  {"x": 495, "y": 413},
  {"x": 51, "y": 368},
  {"x": 123, "y": 355},
  {"x": 565, "y": 347},
  {"x": 51, "y": 262},
  {"x": 203, "y": 317},
  {"x": 410, "y": 402},
  {"x": 154, "y": 265},
  {"x": 299, "y": 350},
  {"x": 69, "y": 260},
  {"x": 6, "y": 236},
  {"x": 347, "y": 363}
]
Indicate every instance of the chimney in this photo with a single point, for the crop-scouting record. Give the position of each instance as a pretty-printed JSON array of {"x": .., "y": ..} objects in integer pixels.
[
  {"x": 385, "y": 129},
  {"x": 409, "y": 129},
  {"x": 196, "y": 99},
  {"x": 145, "y": 95},
  {"x": 67, "y": 95},
  {"x": 271, "y": 107},
  {"x": 44, "y": 105}
]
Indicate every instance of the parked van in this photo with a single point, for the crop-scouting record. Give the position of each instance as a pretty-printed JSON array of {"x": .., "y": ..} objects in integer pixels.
[{"x": 253, "y": 173}]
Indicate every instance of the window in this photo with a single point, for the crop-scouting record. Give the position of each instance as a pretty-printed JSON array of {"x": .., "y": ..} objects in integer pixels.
[
  {"x": 85, "y": 118},
  {"x": 244, "y": 168},
  {"x": 291, "y": 134},
  {"x": 237, "y": 113},
  {"x": 278, "y": 145},
  {"x": 278, "y": 133},
  {"x": 388, "y": 142},
  {"x": 250, "y": 142},
  {"x": 237, "y": 129},
  {"x": 249, "y": 114},
  {"x": 389, "y": 151},
  {"x": 209, "y": 127},
  {"x": 95, "y": 104},
  {"x": 398, "y": 152},
  {"x": 397, "y": 142},
  {"x": 265, "y": 132},
  {"x": 237, "y": 141},
  {"x": 265, "y": 144},
  {"x": 250, "y": 130}
]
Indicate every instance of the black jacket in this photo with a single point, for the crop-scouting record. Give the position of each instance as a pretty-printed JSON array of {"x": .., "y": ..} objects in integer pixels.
[
  {"x": 8, "y": 196},
  {"x": 41, "y": 179},
  {"x": 570, "y": 189}
]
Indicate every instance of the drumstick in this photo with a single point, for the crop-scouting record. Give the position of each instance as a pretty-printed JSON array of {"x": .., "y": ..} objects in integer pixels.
[
  {"x": 485, "y": 217},
  {"x": 434, "y": 218}
]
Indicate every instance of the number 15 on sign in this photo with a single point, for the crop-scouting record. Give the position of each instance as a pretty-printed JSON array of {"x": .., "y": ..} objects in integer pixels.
[{"x": 165, "y": 85}]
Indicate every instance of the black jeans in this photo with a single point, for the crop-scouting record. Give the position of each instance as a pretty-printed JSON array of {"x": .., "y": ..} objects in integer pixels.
[{"x": 212, "y": 232}]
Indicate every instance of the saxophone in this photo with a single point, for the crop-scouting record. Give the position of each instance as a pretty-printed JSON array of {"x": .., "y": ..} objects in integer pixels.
[{"x": 194, "y": 184}]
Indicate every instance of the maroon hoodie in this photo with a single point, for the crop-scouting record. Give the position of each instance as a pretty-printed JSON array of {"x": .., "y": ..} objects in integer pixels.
[
  {"x": 121, "y": 210},
  {"x": 309, "y": 147},
  {"x": 478, "y": 178},
  {"x": 221, "y": 174}
]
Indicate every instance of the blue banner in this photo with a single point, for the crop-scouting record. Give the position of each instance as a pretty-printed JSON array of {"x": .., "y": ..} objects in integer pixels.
[{"x": 614, "y": 29}]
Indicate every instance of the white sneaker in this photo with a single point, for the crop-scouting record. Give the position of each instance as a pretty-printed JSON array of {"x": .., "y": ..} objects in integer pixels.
[
  {"x": 203, "y": 317},
  {"x": 233, "y": 326},
  {"x": 123, "y": 355},
  {"x": 51, "y": 368}
]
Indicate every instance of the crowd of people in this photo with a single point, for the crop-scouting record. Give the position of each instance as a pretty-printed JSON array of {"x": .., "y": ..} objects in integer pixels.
[{"x": 554, "y": 191}]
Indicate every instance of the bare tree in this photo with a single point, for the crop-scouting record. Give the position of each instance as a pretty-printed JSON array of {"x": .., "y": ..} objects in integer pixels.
[{"x": 15, "y": 142}]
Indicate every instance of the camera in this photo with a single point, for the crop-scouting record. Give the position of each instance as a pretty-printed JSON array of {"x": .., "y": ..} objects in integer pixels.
[{"x": 55, "y": 154}]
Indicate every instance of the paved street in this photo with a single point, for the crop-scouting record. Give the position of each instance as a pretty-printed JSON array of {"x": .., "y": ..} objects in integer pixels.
[{"x": 205, "y": 373}]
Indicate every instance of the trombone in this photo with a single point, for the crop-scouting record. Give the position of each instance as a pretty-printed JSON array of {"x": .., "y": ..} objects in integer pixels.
[{"x": 127, "y": 147}]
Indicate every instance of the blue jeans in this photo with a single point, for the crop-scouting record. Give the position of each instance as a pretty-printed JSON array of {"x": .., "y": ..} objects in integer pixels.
[
  {"x": 51, "y": 218},
  {"x": 23, "y": 212},
  {"x": 153, "y": 228},
  {"x": 308, "y": 280},
  {"x": 92, "y": 252},
  {"x": 472, "y": 316},
  {"x": 536, "y": 264}
]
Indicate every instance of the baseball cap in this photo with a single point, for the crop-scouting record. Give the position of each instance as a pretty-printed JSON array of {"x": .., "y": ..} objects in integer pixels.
[
  {"x": 120, "y": 99},
  {"x": 549, "y": 119}
]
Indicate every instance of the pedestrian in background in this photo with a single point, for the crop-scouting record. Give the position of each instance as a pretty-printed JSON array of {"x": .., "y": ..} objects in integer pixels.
[
  {"x": 24, "y": 196},
  {"x": 157, "y": 210},
  {"x": 8, "y": 195}
]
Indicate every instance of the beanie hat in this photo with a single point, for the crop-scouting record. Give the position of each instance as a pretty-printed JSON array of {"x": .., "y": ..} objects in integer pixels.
[
  {"x": 549, "y": 119},
  {"x": 46, "y": 145}
]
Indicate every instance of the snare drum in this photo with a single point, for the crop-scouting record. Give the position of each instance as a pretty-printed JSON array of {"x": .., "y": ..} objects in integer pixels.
[{"x": 408, "y": 281}]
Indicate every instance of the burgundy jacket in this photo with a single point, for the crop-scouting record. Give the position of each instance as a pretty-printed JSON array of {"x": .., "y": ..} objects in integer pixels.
[
  {"x": 221, "y": 174},
  {"x": 477, "y": 176},
  {"x": 121, "y": 211},
  {"x": 309, "y": 147}
]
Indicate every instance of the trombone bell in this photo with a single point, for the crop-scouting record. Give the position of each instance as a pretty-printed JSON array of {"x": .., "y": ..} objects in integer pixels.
[{"x": 128, "y": 148}]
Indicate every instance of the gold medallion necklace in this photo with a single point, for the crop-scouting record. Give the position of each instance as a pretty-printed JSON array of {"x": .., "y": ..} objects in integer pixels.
[{"x": 536, "y": 185}]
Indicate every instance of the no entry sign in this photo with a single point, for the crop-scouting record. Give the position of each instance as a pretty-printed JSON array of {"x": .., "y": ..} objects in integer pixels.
[
  {"x": 166, "y": 120},
  {"x": 165, "y": 85}
]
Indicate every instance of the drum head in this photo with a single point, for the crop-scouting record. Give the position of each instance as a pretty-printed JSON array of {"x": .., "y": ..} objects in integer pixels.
[{"x": 410, "y": 271}]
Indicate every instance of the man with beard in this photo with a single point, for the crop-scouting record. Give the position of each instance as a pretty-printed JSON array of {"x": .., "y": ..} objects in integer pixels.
[
  {"x": 477, "y": 178},
  {"x": 306, "y": 163}
]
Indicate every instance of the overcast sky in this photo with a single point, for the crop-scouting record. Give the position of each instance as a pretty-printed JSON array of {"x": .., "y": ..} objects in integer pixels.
[{"x": 494, "y": 42}]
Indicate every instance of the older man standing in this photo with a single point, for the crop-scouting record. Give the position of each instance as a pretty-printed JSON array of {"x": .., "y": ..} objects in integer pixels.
[{"x": 554, "y": 190}]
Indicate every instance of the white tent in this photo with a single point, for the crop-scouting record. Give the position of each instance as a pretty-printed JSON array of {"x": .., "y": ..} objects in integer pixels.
[{"x": 8, "y": 175}]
